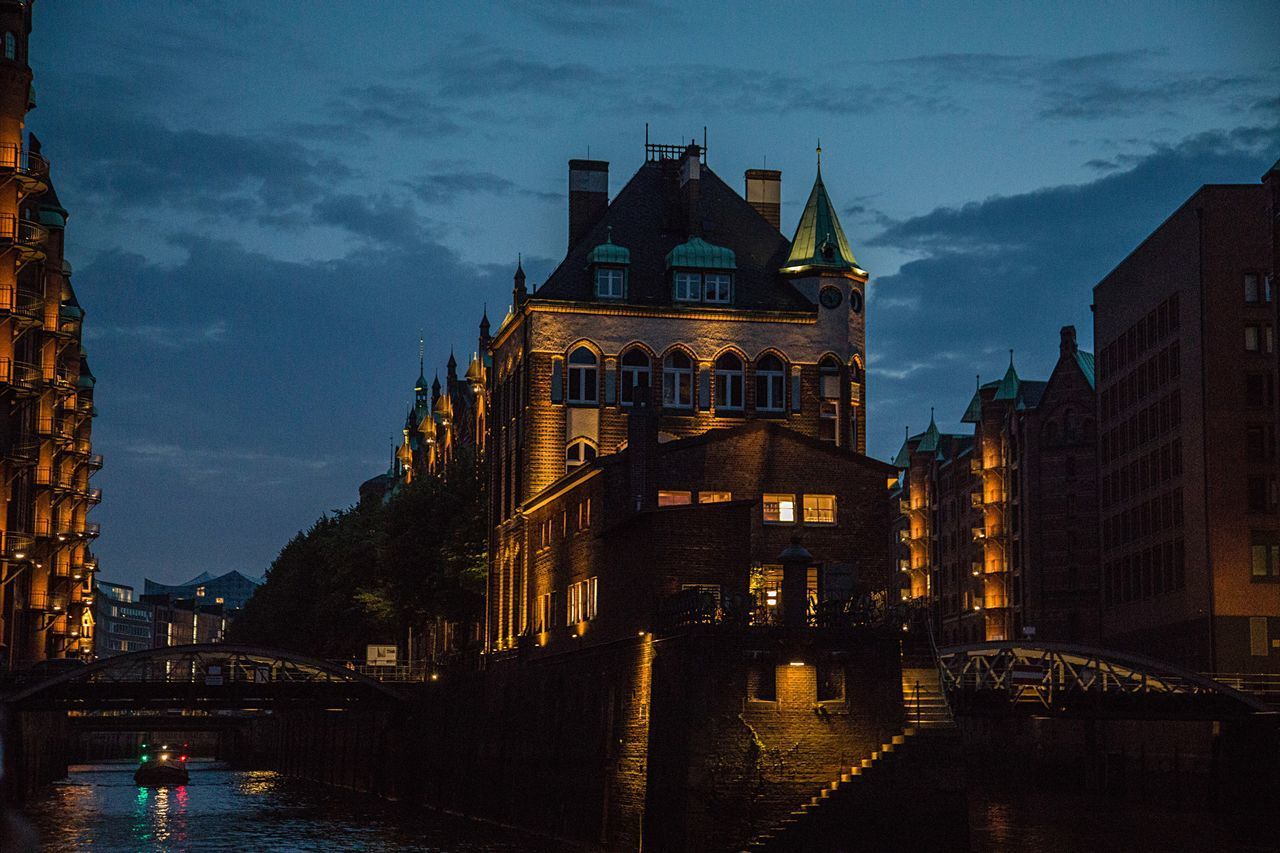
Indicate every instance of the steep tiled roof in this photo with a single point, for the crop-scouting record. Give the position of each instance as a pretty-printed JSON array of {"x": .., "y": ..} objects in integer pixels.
[
  {"x": 647, "y": 218},
  {"x": 819, "y": 240}
]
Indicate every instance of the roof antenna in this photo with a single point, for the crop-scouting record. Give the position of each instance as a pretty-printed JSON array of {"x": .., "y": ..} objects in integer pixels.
[
  {"x": 1011, "y": 357},
  {"x": 421, "y": 351}
]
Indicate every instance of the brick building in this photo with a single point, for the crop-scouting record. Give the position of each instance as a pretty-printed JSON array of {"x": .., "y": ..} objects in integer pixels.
[
  {"x": 997, "y": 528},
  {"x": 682, "y": 290},
  {"x": 46, "y": 453},
  {"x": 692, "y": 529},
  {"x": 1190, "y": 530}
]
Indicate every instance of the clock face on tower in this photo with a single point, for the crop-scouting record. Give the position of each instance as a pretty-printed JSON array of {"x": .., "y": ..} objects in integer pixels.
[
  {"x": 855, "y": 301},
  {"x": 830, "y": 297}
]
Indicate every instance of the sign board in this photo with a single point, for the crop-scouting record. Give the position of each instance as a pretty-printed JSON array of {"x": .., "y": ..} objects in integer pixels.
[
  {"x": 1026, "y": 673},
  {"x": 213, "y": 675},
  {"x": 378, "y": 655}
]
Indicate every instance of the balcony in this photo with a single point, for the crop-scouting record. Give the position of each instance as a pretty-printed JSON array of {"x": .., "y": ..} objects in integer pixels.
[
  {"x": 55, "y": 428},
  {"x": 92, "y": 529},
  {"x": 46, "y": 601},
  {"x": 975, "y": 466},
  {"x": 81, "y": 447},
  {"x": 93, "y": 496},
  {"x": 25, "y": 237},
  {"x": 904, "y": 565},
  {"x": 94, "y": 461},
  {"x": 904, "y": 506},
  {"x": 975, "y": 499},
  {"x": 17, "y": 546},
  {"x": 20, "y": 376},
  {"x": 23, "y": 453},
  {"x": 904, "y": 535},
  {"x": 979, "y": 534},
  {"x": 30, "y": 171}
]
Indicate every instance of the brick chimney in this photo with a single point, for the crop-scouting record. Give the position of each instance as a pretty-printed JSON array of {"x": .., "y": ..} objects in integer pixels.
[
  {"x": 642, "y": 451},
  {"x": 1067, "y": 347},
  {"x": 764, "y": 193},
  {"x": 588, "y": 196},
  {"x": 691, "y": 188}
]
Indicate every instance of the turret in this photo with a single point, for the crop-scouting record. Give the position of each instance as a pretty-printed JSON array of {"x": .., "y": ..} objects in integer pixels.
[{"x": 518, "y": 291}]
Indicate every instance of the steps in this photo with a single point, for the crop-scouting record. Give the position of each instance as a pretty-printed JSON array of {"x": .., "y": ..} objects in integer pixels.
[{"x": 923, "y": 704}]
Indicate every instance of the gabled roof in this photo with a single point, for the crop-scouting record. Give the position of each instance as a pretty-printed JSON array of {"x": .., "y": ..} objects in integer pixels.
[
  {"x": 820, "y": 242},
  {"x": 646, "y": 216}
]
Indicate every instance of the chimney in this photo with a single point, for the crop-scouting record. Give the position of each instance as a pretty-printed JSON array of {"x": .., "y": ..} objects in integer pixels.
[
  {"x": 588, "y": 196},
  {"x": 642, "y": 451},
  {"x": 764, "y": 193},
  {"x": 1067, "y": 348},
  {"x": 691, "y": 188}
]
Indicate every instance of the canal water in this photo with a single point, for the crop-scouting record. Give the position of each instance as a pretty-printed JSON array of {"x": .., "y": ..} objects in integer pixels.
[{"x": 100, "y": 809}]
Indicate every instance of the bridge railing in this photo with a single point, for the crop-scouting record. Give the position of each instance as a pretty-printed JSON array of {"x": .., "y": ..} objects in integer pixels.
[{"x": 1263, "y": 685}]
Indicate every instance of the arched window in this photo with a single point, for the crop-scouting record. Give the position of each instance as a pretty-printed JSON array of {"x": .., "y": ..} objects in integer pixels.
[
  {"x": 829, "y": 378},
  {"x": 10, "y": 46},
  {"x": 729, "y": 382},
  {"x": 636, "y": 373},
  {"x": 677, "y": 381},
  {"x": 582, "y": 376},
  {"x": 578, "y": 453},
  {"x": 770, "y": 384}
]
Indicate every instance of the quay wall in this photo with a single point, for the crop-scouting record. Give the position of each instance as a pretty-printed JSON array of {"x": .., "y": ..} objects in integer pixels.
[{"x": 37, "y": 751}]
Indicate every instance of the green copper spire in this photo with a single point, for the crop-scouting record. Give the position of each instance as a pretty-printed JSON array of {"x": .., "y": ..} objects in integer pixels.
[
  {"x": 931, "y": 437},
  {"x": 1008, "y": 387},
  {"x": 820, "y": 242}
]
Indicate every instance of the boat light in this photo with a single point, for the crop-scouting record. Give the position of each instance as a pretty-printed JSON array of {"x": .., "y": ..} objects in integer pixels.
[{"x": 164, "y": 756}]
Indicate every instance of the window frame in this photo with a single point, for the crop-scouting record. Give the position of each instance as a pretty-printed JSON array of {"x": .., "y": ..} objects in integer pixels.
[
  {"x": 725, "y": 383},
  {"x": 724, "y": 279},
  {"x": 686, "y": 281},
  {"x": 616, "y": 275},
  {"x": 675, "y": 379},
  {"x": 819, "y": 522},
  {"x": 713, "y": 496},
  {"x": 674, "y": 497},
  {"x": 585, "y": 445},
  {"x": 626, "y": 395},
  {"x": 765, "y": 380},
  {"x": 786, "y": 498},
  {"x": 582, "y": 378}
]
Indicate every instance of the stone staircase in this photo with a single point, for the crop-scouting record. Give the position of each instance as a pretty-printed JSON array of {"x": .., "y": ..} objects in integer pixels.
[{"x": 923, "y": 705}]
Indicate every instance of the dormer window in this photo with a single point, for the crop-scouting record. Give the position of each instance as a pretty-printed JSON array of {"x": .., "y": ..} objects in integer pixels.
[
  {"x": 701, "y": 272},
  {"x": 688, "y": 287},
  {"x": 610, "y": 282},
  {"x": 716, "y": 287},
  {"x": 609, "y": 263}
]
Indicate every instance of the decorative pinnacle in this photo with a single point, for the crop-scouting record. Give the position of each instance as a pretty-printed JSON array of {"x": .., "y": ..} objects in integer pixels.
[{"x": 819, "y": 154}]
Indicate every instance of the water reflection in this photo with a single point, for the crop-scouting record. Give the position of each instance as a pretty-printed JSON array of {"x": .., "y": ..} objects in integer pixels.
[{"x": 100, "y": 808}]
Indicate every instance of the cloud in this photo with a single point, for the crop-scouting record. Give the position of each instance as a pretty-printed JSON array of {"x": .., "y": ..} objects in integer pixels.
[
  {"x": 444, "y": 187},
  {"x": 401, "y": 109},
  {"x": 1007, "y": 271},
  {"x": 594, "y": 17},
  {"x": 169, "y": 337}
]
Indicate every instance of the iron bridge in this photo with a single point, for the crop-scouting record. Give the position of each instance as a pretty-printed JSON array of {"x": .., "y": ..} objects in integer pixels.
[
  {"x": 200, "y": 677},
  {"x": 1055, "y": 679}
]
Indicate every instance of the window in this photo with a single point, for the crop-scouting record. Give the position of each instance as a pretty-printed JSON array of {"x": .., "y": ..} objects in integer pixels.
[
  {"x": 716, "y": 287},
  {"x": 1261, "y": 493},
  {"x": 779, "y": 509},
  {"x": 669, "y": 498},
  {"x": 582, "y": 376},
  {"x": 544, "y": 534},
  {"x": 677, "y": 381},
  {"x": 200, "y": 591},
  {"x": 609, "y": 282},
  {"x": 1259, "y": 338},
  {"x": 688, "y": 287},
  {"x": 584, "y": 514},
  {"x": 1252, "y": 290},
  {"x": 635, "y": 374},
  {"x": 582, "y": 601},
  {"x": 578, "y": 453},
  {"x": 1258, "y": 389},
  {"x": 829, "y": 379},
  {"x": 546, "y": 612},
  {"x": 714, "y": 497},
  {"x": 728, "y": 382},
  {"x": 1265, "y": 557},
  {"x": 10, "y": 46},
  {"x": 828, "y": 417},
  {"x": 819, "y": 509},
  {"x": 770, "y": 387}
]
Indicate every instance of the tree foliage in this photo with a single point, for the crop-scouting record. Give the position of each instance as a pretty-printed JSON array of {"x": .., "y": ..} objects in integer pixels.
[{"x": 369, "y": 573}]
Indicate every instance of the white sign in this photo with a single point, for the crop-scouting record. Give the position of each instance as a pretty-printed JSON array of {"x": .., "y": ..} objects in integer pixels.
[{"x": 380, "y": 655}]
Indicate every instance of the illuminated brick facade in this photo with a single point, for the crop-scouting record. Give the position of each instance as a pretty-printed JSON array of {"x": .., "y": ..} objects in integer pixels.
[
  {"x": 996, "y": 528},
  {"x": 1190, "y": 517},
  {"x": 46, "y": 454},
  {"x": 682, "y": 290}
]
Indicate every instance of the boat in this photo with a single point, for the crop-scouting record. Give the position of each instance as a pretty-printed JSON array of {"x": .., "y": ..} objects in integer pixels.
[{"x": 163, "y": 766}]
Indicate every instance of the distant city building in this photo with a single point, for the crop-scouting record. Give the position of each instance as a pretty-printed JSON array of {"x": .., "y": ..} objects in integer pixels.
[
  {"x": 683, "y": 294},
  {"x": 182, "y": 621},
  {"x": 122, "y": 624},
  {"x": 46, "y": 416},
  {"x": 230, "y": 590},
  {"x": 1185, "y": 328},
  {"x": 997, "y": 528}
]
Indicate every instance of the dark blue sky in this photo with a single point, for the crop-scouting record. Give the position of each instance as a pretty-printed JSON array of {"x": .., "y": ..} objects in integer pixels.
[{"x": 269, "y": 200}]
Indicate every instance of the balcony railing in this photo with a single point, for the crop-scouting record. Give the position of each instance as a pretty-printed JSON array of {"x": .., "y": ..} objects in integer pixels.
[
  {"x": 975, "y": 466},
  {"x": 93, "y": 496},
  {"x": 23, "y": 452},
  {"x": 92, "y": 529},
  {"x": 17, "y": 546},
  {"x": 979, "y": 534},
  {"x": 94, "y": 461},
  {"x": 24, "y": 236},
  {"x": 19, "y": 375},
  {"x": 904, "y": 506},
  {"x": 29, "y": 169},
  {"x": 46, "y": 601}
]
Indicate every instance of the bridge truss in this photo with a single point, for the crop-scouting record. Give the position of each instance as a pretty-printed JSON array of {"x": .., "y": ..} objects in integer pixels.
[{"x": 1053, "y": 679}]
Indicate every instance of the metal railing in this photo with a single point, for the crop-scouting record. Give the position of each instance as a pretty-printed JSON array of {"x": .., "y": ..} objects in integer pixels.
[
  {"x": 22, "y": 232},
  {"x": 94, "y": 460},
  {"x": 19, "y": 374},
  {"x": 1263, "y": 685},
  {"x": 19, "y": 159}
]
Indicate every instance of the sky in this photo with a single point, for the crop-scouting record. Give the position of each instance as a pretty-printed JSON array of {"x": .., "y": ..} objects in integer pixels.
[{"x": 270, "y": 201}]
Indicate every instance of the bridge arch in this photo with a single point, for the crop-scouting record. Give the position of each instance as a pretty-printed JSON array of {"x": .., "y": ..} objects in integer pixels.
[
  {"x": 1064, "y": 678},
  {"x": 211, "y": 673}
]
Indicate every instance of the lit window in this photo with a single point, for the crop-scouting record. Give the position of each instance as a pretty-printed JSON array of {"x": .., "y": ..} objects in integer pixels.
[
  {"x": 582, "y": 376},
  {"x": 609, "y": 282},
  {"x": 667, "y": 498},
  {"x": 1265, "y": 556},
  {"x": 635, "y": 374},
  {"x": 546, "y": 611},
  {"x": 779, "y": 509},
  {"x": 770, "y": 384},
  {"x": 716, "y": 287},
  {"x": 578, "y": 453},
  {"x": 714, "y": 497},
  {"x": 688, "y": 286},
  {"x": 728, "y": 382},
  {"x": 819, "y": 509},
  {"x": 829, "y": 379},
  {"x": 582, "y": 601},
  {"x": 584, "y": 514},
  {"x": 199, "y": 592},
  {"x": 677, "y": 381}
]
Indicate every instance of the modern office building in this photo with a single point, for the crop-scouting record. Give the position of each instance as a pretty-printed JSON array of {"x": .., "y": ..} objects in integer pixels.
[
  {"x": 46, "y": 450},
  {"x": 121, "y": 622},
  {"x": 230, "y": 590},
  {"x": 1187, "y": 410}
]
